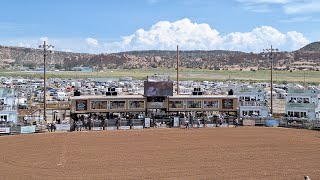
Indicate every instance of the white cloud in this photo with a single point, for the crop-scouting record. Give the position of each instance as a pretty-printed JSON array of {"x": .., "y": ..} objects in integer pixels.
[
  {"x": 264, "y": 1},
  {"x": 26, "y": 45},
  {"x": 300, "y": 20},
  {"x": 311, "y": 6},
  {"x": 288, "y": 6},
  {"x": 42, "y": 39},
  {"x": 66, "y": 50},
  {"x": 166, "y": 35},
  {"x": 92, "y": 42},
  {"x": 296, "y": 39}
]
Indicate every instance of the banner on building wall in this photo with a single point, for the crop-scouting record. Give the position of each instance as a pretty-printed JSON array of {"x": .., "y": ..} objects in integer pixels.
[
  {"x": 81, "y": 105},
  {"x": 227, "y": 103}
]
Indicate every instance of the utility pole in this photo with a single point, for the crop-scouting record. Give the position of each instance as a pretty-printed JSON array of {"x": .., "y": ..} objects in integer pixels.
[
  {"x": 177, "y": 70},
  {"x": 46, "y": 51},
  {"x": 271, "y": 54}
]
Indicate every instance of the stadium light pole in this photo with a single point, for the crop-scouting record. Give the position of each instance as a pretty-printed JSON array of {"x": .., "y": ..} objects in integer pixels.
[
  {"x": 46, "y": 51},
  {"x": 270, "y": 53}
]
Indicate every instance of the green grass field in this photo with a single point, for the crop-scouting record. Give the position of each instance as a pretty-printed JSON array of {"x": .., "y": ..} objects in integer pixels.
[{"x": 184, "y": 74}]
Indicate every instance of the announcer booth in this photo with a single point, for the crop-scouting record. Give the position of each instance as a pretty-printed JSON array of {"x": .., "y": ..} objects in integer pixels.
[{"x": 130, "y": 111}]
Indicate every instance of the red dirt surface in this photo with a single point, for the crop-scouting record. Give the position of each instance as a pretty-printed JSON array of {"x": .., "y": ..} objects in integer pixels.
[{"x": 217, "y": 153}]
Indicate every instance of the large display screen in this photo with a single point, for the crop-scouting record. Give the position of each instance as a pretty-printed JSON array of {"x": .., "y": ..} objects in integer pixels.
[{"x": 163, "y": 88}]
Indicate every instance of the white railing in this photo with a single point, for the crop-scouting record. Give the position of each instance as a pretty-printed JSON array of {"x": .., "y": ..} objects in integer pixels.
[
  {"x": 8, "y": 107},
  {"x": 252, "y": 103}
]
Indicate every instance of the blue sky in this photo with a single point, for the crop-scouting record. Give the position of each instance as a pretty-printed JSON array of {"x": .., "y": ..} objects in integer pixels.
[{"x": 98, "y": 26}]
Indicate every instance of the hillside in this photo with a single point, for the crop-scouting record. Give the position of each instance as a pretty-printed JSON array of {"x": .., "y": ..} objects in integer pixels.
[
  {"x": 305, "y": 58},
  {"x": 315, "y": 46}
]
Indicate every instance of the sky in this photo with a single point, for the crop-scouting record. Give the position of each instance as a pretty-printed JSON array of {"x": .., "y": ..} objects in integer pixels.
[{"x": 99, "y": 26}]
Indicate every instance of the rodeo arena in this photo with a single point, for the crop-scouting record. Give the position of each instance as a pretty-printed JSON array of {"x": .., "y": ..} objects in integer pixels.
[{"x": 158, "y": 128}]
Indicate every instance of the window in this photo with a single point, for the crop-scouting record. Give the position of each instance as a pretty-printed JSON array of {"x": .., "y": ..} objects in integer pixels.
[
  {"x": 99, "y": 104},
  {"x": 306, "y": 100},
  {"x": 3, "y": 118},
  {"x": 175, "y": 104},
  {"x": 117, "y": 104},
  {"x": 136, "y": 104},
  {"x": 193, "y": 104},
  {"x": 211, "y": 104}
]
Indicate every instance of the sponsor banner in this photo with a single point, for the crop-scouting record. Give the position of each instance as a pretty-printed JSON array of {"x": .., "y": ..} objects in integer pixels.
[
  {"x": 227, "y": 103},
  {"x": 176, "y": 122},
  {"x": 62, "y": 127},
  {"x": 137, "y": 127},
  {"x": 125, "y": 127},
  {"x": 211, "y": 125},
  {"x": 81, "y": 105},
  {"x": 4, "y": 130},
  {"x": 146, "y": 122},
  {"x": 97, "y": 128},
  {"x": 248, "y": 122},
  {"x": 28, "y": 129},
  {"x": 111, "y": 128}
]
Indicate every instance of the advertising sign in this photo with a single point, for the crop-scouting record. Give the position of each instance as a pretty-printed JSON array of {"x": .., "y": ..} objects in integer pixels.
[
  {"x": 28, "y": 129},
  {"x": 176, "y": 122},
  {"x": 248, "y": 122},
  {"x": 81, "y": 105},
  {"x": 4, "y": 130},
  {"x": 164, "y": 88},
  {"x": 146, "y": 122},
  {"x": 63, "y": 127},
  {"x": 227, "y": 103}
]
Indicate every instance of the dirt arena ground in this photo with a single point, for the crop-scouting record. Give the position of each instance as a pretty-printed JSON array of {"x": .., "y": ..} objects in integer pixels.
[{"x": 217, "y": 153}]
